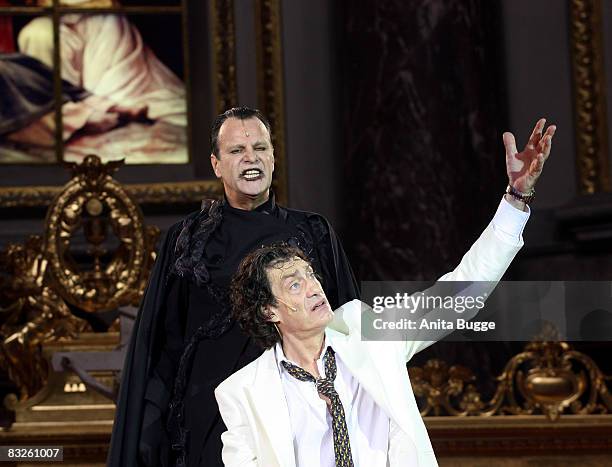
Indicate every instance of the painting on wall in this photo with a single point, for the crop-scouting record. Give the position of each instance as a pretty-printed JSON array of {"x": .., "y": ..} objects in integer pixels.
[
  {"x": 115, "y": 88},
  {"x": 112, "y": 78}
]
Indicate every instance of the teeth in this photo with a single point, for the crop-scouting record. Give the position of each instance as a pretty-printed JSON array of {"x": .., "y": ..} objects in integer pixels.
[{"x": 251, "y": 174}]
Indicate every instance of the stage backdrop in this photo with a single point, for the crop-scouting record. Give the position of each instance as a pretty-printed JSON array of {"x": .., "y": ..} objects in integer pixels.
[{"x": 423, "y": 128}]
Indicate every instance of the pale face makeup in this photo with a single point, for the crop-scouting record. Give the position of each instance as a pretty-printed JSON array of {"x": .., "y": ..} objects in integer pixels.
[{"x": 246, "y": 161}]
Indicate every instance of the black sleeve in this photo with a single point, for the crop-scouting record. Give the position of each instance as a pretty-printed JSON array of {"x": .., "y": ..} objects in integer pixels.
[
  {"x": 138, "y": 364},
  {"x": 154, "y": 445},
  {"x": 347, "y": 288},
  {"x": 338, "y": 278},
  {"x": 170, "y": 337}
]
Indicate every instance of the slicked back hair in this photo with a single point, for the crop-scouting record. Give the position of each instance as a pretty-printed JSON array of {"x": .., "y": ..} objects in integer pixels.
[
  {"x": 251, "y": 291},
  {"x": 241, "y": 113}
]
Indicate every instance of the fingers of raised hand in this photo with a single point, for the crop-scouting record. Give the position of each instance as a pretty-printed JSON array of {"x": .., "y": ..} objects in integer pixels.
[
  {"x": 544, "y": 146},
  {"x": 510, "y": 144},
  {"x": 546, "y": 141},
  {"x": 536, "y": 134}
]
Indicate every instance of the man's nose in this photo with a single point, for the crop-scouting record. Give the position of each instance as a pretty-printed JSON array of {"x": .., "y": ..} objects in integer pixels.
[
  {"x": 313, "y": 287},
  {"x": 250, "y": 155}
]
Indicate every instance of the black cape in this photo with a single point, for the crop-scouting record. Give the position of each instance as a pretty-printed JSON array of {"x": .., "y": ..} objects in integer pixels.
[{"x": 184, "y": 343}]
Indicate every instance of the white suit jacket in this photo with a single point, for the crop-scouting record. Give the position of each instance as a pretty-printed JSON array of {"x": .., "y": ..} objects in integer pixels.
[{"x": 252, "y": 402}]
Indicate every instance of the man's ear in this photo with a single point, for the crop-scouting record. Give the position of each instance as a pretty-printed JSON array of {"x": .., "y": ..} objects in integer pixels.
[{"x": 215, "y": 162}]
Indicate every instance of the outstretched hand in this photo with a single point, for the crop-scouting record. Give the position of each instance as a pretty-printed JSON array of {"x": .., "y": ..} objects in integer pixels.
[{"x": 525, "y": 167}]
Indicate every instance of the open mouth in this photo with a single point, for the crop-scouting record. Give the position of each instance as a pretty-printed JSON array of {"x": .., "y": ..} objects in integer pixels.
[
  {"x": 317, "y": 306},
  {"x": 252, "y": 174}
]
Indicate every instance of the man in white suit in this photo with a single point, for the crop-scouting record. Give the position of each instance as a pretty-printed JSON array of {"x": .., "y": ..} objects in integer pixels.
[{"x": 320, "y": 395}]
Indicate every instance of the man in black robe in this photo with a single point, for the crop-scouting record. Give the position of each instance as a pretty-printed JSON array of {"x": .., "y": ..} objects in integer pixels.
[{"x": 184, "y": 342}]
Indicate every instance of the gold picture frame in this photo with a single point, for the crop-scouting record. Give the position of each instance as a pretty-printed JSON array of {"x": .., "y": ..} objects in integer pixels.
[
  {"x": 224, "y": 91},
  {"x": 270, "y": 85},
  {"x": 589, "y": 93}
]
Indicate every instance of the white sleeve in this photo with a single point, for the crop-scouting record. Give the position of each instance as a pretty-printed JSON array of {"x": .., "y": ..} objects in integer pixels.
[
  {"x": 509, "y": 222},
  {"x": 486, "y": 261},
  {"x": 483, "y": 265}
]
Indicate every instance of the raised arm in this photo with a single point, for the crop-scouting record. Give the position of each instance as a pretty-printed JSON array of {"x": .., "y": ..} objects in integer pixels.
[{"x": 490, "y": 256}]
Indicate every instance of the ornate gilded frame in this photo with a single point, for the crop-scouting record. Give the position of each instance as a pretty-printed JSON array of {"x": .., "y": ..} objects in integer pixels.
[
  {"x": 270, "y": 90},
  {"x": 223, "y": 54},
  {"x": 224, "y": 95},
  {"x": 587, "y": 53},
  {"x": 270, "y": 87}
]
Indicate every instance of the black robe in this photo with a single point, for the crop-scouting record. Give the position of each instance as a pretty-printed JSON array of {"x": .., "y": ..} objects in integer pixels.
[{"x": 184, "y": 343}]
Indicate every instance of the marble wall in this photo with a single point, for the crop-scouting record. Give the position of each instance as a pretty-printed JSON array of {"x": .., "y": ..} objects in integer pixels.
[
  {"x": 428, "y": 87},
  {"x": 424, "y": 164}
]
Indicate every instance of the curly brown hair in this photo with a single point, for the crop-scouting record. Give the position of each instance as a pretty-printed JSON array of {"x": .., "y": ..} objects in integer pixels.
[{"x": 250, "y": 291}]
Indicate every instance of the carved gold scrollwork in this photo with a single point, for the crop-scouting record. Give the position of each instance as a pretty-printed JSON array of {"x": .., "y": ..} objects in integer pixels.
[
  {"x": 224, "y": 54},
  {"x": 31, "y": 314},
  {"x": 547, "y": 377},
  {"x": 439, "y": 384},
  {"x": 270, "y": 85},
  {"x": 44, "y": 280},
  {"x": 94, "y": 203},
  {"x": 589, "y": 96},
  {"x": 141, "y": 193}
]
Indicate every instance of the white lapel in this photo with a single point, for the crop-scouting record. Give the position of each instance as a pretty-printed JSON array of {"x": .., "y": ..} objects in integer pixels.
[
  {"x": 270, "y": 407},
  {"x": 385, "y": 387}
]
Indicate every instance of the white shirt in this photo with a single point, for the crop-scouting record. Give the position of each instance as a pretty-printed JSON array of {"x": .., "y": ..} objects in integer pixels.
[{"x": 311, "y": 422}]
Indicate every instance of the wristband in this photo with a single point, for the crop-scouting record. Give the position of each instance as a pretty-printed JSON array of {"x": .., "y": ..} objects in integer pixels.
[{"x": 524, "y": 197}]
